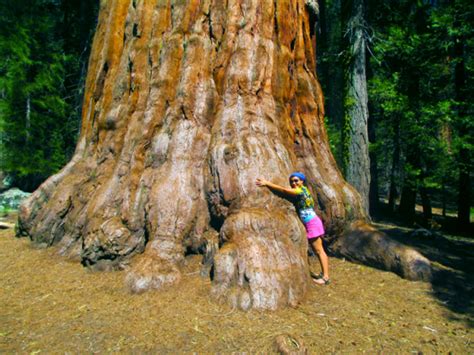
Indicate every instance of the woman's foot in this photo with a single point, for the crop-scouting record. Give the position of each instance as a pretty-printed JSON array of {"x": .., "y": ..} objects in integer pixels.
[{"x": 322, "y": 281}]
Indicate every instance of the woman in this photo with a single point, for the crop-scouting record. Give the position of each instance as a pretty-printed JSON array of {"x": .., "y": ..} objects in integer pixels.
[{"x": 301, "y": 198}]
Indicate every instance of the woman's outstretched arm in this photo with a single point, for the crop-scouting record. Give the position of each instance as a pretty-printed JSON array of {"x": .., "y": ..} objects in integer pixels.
[{"x": 289, "y": 192}]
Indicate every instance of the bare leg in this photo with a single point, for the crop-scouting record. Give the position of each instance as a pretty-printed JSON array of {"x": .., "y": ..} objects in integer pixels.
[{"x": 317, "y": 245}]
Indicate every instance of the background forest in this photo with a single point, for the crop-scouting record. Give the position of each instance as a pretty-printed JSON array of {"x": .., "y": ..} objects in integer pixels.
[{"x": 417, "y": 61}]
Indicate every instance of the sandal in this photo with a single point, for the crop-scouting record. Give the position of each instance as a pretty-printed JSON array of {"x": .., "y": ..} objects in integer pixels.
[
  {"x": 315, "y": 276},
  {"x": 322, "y": 281}
]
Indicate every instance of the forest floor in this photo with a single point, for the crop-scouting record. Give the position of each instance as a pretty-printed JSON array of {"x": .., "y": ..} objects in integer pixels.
[{"x": 51, "y": 305}]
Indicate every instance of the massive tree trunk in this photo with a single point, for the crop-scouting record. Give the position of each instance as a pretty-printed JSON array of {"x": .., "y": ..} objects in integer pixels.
[
  {"x": 358, "y": 164},
  {"x": 186, "y": 104}
]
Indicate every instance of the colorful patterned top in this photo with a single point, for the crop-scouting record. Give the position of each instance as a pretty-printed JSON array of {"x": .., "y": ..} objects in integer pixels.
[{"x": 304, "y": 204}]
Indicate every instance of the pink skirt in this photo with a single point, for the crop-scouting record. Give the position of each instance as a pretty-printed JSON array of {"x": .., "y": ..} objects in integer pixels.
[{"x": 314, "y": 228}]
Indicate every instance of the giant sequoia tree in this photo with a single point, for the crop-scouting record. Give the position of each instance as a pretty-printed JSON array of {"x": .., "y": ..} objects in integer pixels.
[{"x": 186, "y": 104}]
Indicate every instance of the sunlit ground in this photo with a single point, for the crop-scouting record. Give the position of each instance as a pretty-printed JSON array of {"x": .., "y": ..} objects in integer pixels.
[{"x": 48, "y": 304}]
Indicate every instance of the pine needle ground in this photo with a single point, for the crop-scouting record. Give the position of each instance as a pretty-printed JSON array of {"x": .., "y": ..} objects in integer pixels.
[{"x": 48, "y": 304}]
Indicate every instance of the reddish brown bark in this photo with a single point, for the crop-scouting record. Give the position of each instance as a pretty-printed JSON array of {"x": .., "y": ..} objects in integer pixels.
[{"x": 186, "y": 103}]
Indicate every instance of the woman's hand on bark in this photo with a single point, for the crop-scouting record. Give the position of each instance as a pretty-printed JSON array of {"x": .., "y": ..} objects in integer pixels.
[
  {"x": 287, "y": 192},
  {"x": 261, "y": 182}
]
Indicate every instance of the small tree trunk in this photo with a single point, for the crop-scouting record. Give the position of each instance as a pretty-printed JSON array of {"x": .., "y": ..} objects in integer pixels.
[
  {"x": 395, "y": 169},
  {"x": 374, "y": 197},
  {"x": 28, "y": 119},
  {"x": 464, "y": 185},
  {"x": 464, "y": 158},
  {"x": 426, "y": 202},
  {"x": 443, "y": 197},
  {"x": 408, "y": 202},
  {"x": 408, "y": 199}
]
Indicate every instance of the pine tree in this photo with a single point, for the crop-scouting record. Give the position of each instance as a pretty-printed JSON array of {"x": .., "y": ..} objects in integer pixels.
[
  {"x": 39, "y": 123},
  {"x": 418, "y": 93}
]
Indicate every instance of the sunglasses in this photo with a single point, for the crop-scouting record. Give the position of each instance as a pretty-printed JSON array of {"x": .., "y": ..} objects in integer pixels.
[{"x": 294, "y": 180}]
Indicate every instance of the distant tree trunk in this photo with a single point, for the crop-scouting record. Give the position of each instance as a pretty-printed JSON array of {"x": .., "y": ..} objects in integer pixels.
[
  {"x": 333, "y": 67},
  {"x": 395, "y": 169},
  {"x": 374, "y": 181},
  {"x": 408, "y": 200},
  {"x": 464, "y": 159},
  {"x": 410, "y": 187},
  {"x": 446, "y": 134},
  {"x": 186, "y": 104},
  {"x": 314, "y": 14},
  {"x": 443, "y": 197},
  {"x": 411, "y": 149},
  {"x": 464, "y": 197},
  {"x": 312, "y": 7},
  {"x": 426, "y": 202},
  {"x": 28, "y": 119},
  {"x": 358, "y": 165}
]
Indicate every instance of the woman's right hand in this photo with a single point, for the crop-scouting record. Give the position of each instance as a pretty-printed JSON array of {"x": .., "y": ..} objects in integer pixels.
[{"x": 261, "y": 182}]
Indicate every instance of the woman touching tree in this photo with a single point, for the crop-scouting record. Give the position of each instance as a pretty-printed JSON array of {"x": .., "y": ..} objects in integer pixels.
[{"x": 303, "y": 201}]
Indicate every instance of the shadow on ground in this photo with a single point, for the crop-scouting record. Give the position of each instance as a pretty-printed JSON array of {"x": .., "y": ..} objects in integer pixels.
[{"x": 452, "y": 258}]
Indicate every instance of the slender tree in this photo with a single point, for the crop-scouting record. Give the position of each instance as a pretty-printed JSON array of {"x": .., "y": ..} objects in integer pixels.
[
  {"x": 357, "y": 166},
  {"x": 374, "y": 196}
]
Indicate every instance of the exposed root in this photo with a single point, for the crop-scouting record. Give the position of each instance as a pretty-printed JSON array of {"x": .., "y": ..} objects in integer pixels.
[
  {"x": 263, "y": 265},
  {"x": 151, "y": 272},
  {"x": 363, "y": 243}
]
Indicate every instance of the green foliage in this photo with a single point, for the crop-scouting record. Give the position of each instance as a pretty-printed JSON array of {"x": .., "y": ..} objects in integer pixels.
[
  {"x": 334, "y": 137},
  {"x": 39, "y": 115},
  {"x": 346, "y": 133},
  {"x": 413, "y": 83}
]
